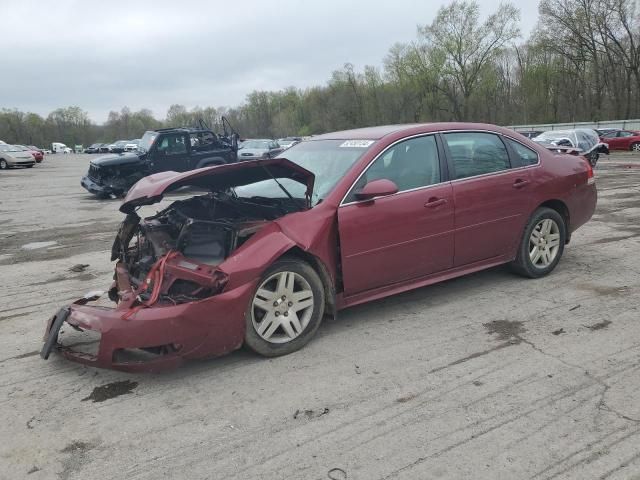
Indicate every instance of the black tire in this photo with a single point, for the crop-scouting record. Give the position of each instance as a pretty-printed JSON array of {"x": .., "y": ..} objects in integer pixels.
[
  {"x": 635, "y": 147},
  {"x": 29, "y": 166},
  {"x": 593, "y": 158},
  {"x": 269, "y": 349},
  {"x": 3, "y": 164},
  {"x": 523, "y": 264}
]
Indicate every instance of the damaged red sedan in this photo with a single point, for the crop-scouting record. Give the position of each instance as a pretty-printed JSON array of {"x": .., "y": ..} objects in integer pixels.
[{"x": 268, "y": 247}]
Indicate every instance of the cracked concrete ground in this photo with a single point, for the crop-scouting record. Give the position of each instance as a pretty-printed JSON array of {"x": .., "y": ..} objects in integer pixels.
[{"x": 490, "y": 376}]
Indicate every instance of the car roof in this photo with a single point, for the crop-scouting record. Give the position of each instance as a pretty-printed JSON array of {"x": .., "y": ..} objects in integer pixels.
[
  {"x": 180, "y": 130},
  {"x": 376, "y": 133}
]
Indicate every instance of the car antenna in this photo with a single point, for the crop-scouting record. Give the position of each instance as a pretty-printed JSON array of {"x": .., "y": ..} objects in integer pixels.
[{"x": 276, "y": 180}]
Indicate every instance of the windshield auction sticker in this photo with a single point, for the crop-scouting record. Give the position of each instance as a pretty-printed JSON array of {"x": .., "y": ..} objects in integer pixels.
[{"x": 356, "y": 144}]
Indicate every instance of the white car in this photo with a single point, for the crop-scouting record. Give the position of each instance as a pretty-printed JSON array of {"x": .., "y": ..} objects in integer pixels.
[{"x": 132, "y": 146}]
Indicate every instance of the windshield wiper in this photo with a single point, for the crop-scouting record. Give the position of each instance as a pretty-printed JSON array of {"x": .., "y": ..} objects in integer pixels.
[{"x": 276, "y": 180}]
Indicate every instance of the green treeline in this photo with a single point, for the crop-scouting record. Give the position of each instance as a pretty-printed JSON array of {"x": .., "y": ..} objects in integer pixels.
[{"x": 581, "y": 63}]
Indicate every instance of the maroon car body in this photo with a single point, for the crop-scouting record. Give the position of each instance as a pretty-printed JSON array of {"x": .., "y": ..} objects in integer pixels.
[
  {"x": 622, "y": 140},
  {"x": 362, "y": 246},
  {"x": 38, "y": 155}
]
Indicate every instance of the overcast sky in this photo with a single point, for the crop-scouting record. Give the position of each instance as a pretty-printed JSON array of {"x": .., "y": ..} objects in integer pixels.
[{"x": 102, "y": 55}]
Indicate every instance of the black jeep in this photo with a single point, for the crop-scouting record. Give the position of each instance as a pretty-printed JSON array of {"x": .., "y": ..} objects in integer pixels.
[{"x": 166, "y": 149}]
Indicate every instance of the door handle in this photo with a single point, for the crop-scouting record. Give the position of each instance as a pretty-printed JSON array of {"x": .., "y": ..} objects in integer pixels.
[
  {"x": 435, "y": 202},
  {"x": 519, "y": 183}
]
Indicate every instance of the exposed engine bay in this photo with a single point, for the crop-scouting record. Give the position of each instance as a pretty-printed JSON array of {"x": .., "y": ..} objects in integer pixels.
[{"x": 181, "y": 245}]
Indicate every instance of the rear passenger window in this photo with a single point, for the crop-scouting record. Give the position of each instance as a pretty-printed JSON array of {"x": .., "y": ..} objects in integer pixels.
[
  {"x": 476, "y": 153},
  {"x": 524, "y": 155}
]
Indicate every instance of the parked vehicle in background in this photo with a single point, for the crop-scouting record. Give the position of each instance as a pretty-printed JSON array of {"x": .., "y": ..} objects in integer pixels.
[
  {"x": 604, "y": 131},
  {"x": 37, "y": 154},
  {"x": 57, "y": 147},
  {"x": 531, "y": 133},
  {"x": 93, "y": 148},
  {"x": 176, "y": 149},
  {"x": 288, "y": 142},
  {"x": 118, "y": 147},
  {"x": 259, "y": 148},
  {"x": 622, "y": 140},
  {"x": 46, "y": 151},
  {"x": 104, "y": 148},
  {"x": 132, "y": 145},
  {"x": 585, "y": 140},
  {"x": 14, "y": 156},
  {"x": 349, "y": 218}
]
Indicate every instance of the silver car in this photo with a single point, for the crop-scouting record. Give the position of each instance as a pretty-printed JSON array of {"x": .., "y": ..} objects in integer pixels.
[
  {"x": 12, "y": 156},
  {"x": 258, "y": 148}
]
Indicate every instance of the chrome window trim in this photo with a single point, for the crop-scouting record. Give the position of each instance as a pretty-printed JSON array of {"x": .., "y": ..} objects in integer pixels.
[
  {"x": 500, "y": 172},
  {"x": 391, "y": 145}
]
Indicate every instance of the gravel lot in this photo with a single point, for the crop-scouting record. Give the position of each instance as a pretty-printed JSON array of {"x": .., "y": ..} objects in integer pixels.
[{"x": 488, "y": 376}]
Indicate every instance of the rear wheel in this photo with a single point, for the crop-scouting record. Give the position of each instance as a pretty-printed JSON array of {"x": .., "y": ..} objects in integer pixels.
[
  {"x": 593, "y": 158},
  {"x": 542, "y": 244},
  {"x": 286, "y": 308},
  {"x": 635, "y": 147}
]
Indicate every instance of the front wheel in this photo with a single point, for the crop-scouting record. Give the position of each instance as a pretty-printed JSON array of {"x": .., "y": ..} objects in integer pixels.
[
  {"x": 286, "y": 308},
  {"x": 3, "y": 164},
  {"x": 593, "y": 158},
  {"x": 542, "y": 244}
]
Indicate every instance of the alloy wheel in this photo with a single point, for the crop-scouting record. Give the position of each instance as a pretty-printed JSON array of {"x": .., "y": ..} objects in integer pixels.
[
  {"x": 3, "y": 165},
  {"x": 282, "y": 307},
  {"x": 544, "y": 243},
  {"x": 636, "y": 147}
]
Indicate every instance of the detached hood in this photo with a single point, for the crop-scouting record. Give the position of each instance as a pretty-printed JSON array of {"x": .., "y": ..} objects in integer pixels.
[
  {"x": 116, "y": 159},
  {"x": 150, "y": 189}
]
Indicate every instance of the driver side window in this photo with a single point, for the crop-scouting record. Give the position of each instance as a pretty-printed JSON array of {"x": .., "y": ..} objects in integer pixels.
[
  {"x": 172, "y": 145},
  {"x": 411, "y": 164}
]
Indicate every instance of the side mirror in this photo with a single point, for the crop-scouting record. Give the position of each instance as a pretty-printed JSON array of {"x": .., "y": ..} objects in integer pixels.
[
  {"x": 234, "y": 141},
  {"x": 377, "y": 188}
]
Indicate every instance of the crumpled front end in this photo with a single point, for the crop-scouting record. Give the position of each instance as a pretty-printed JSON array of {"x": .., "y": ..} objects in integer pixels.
[
  {"x": 181, "y": 285},
  {"x": 138, "y": 335},
  {"x": 107, "y": 180}
]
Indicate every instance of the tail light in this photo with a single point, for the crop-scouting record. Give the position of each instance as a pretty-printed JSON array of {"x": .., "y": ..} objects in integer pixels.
[{"x": 591, "y": 179}]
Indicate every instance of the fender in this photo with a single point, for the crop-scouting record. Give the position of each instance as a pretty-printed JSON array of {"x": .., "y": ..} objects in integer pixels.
[{"x": 210, "y": 161}]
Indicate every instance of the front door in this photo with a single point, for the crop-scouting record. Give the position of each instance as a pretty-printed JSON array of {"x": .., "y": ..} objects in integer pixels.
[
  {"x": 171, "y": 153},
  {"x": 491, "y": 198},
  {"x": 402, "y": 236}
]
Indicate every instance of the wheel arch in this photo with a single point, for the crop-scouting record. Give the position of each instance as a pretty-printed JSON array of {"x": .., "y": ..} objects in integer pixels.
[
  {"x": 322, "y": 271},
  {"x": 210, "y": 162},
  {"x": 560, "y": 207}
]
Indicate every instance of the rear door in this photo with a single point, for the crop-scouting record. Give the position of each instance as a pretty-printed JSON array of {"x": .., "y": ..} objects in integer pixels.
[
  {"x": 401, "y": 236},
  {"x": 491, "y": 198}
]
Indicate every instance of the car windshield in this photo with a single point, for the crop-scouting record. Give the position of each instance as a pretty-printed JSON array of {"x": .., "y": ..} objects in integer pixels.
[
  {"x": 147, "y": 140},
  {"x": 256, "y": 144},
  {"x": 328, "y": 160}
]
